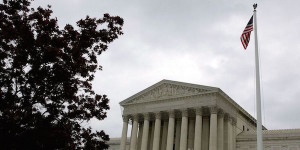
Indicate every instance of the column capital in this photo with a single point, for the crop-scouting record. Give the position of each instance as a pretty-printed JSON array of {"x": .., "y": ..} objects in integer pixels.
[
  {"x": 226, "y": 117},
  {"x": 233, "y": 121},
  {"x": 221, "y": 113},
  {"x": 141, "y": 124},
  {"x": 135, "y": 117},
  {"x": 171, "y": 113},
  {"x": 157, "y": 115},
  {"x": 199, "y": 111},
  {"x": 146, "y": 116},
  {"x": 213, "y": 110},
  {"x": 125, "y": 118},
  {"x": 229, "y": 119},
  {"x": 184, "y": 112}
]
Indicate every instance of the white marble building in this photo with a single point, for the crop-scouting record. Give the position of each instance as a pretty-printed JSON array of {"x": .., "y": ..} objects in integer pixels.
[{"x": 172, "y": 115}]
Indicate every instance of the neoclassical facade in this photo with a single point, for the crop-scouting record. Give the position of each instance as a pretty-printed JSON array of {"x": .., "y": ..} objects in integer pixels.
[{"x": 171, "y": 115}]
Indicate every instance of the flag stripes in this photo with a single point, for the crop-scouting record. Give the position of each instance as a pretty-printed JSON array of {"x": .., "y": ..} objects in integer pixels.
[{"x": 245, "y": 37}]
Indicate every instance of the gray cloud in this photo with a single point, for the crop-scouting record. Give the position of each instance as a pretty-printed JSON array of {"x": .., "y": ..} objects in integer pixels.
[{"x": 198, "y": 42}]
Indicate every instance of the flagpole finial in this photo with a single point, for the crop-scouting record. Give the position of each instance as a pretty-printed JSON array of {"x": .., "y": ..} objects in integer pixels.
[{"x": 255, "y": 6}]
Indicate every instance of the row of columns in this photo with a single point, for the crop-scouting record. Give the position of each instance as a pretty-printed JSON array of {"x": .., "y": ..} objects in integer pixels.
[{"x": 219, "y": 139}]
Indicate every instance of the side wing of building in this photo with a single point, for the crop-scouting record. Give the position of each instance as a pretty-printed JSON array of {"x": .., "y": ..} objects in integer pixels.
[{"x": 288, "y": 139}]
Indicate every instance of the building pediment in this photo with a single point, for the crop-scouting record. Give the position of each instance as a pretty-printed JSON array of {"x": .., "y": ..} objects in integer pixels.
[{"x": 167, "y": 89}]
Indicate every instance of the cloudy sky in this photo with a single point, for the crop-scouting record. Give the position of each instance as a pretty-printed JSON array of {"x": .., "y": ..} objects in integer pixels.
[{"x": 197, "y": 41}]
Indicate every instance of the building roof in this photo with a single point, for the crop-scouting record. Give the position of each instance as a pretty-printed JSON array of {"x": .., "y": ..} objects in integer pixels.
[{"x": 270, "y": 134}]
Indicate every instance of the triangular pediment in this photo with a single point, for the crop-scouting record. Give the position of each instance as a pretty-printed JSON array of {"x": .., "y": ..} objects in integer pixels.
[{"x": 167, "y": 89}]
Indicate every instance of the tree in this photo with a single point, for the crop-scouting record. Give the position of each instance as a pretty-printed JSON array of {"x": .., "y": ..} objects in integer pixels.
[{"x": 45, "y": 78}]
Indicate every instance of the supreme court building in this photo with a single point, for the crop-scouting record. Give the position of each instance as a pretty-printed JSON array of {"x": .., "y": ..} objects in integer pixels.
[{"x": 171, "y": 115}]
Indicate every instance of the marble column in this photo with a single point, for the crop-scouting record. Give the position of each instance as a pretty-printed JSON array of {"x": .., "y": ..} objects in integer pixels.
[
  {"x": 205, "y": 133},
  {"x": 133, "y": 140},
  {"x": 124, "y": 133},
  {"x": 233, "y": 134},
  {"x": 191, "y": 134},
  {"x": 171, "y": 129},
  {"x": 140, "y": 134},
  {"x": 198, "y": 129},
  {"x": 164, "y": 135},
  {"x": 177, "y": 134},
  {"x": 225, "y": 132},
  {"x": 156, "y": 137},
  {"x": 145, "y": 132},
  {"x": 151, "y": 135},
  {"x": 221, "y": 131},
  {"x": 230, "y": 147},
  {"x": 213, "y": 129},
  {"x": 184, "y": 130}
]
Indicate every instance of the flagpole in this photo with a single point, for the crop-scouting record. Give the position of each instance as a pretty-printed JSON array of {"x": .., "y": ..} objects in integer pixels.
[{"x": 258, "y": 95}]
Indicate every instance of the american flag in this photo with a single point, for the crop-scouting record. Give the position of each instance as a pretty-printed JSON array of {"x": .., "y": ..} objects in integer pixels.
[{"x": 245, "y": 37}]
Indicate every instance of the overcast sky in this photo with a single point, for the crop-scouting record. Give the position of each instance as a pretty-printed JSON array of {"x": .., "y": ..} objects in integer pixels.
[{"x": 197, "y": 41}]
